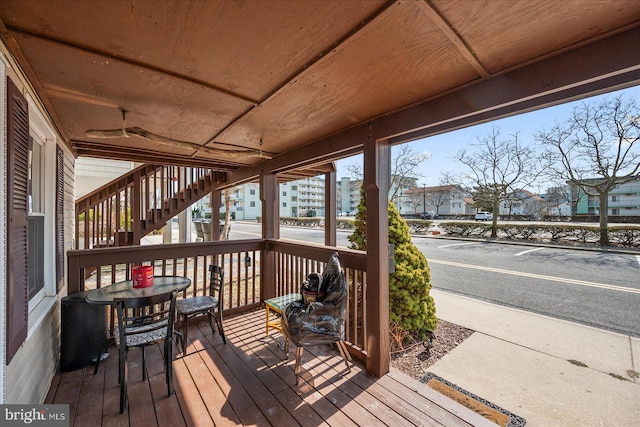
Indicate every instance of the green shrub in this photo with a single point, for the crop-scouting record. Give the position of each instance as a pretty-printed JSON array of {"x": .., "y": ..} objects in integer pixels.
[
  {"x": 410, "y": 305},
  {"x": 418, "y": 226},
  {"x": 467, "y": 229}
]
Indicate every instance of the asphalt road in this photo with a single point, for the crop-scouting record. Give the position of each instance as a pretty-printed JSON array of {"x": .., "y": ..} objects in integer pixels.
[{"x": 589, "y": 287}]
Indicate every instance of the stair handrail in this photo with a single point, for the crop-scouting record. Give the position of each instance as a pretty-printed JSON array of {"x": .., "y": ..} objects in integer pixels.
[{"x": 138, "y": 202}]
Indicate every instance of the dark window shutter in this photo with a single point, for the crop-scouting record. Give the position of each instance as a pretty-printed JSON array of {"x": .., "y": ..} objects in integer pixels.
[
  {"x": 59, "y": 218},
  {"x": 17, "y": 170}
]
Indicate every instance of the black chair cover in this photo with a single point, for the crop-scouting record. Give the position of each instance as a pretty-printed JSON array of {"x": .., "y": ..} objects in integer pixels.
[{"x": 322, "y": 321}]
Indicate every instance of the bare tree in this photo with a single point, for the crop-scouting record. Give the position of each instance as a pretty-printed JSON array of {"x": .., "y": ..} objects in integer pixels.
[
  {"x": 496, "y": 168},
  {"x": 562, "y": 193},
  {"x": 442, "y": 194},
  {"x": 404, "y": 168},
  {"x": 596, "y": 149}
]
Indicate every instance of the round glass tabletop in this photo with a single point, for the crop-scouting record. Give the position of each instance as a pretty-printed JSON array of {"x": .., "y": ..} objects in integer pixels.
[{"x": 125, "y": 289}]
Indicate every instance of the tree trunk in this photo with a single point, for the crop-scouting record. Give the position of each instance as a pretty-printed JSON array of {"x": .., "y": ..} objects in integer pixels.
[
  {"x": 227, "y": 215},
  {"x": 604, "y": 234},
  {"x": 494, "y": 220}
]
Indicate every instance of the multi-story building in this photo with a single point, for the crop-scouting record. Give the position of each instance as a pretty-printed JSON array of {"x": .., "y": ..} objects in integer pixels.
[
  {"x": 623, "y": 200},
  {"x": 348, "y": 194},
  {"x": 304, "y": 197},
  {"x": 441, "y": 199}
]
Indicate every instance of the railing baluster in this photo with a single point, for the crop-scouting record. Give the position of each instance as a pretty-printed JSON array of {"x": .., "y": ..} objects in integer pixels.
[{"x": 293, "y": 264}]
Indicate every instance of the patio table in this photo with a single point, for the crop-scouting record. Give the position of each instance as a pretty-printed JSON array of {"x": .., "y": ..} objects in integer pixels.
[{"x": 124, "y": 289}]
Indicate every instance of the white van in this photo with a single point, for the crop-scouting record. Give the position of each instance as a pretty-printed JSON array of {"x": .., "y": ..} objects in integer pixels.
[{"x": 484, "y": 216}]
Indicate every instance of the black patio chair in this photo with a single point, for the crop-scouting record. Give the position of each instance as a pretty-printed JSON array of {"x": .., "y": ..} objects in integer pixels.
[
  {"x": 141, "y": 322},
  {"x": 211, "y": 305}
]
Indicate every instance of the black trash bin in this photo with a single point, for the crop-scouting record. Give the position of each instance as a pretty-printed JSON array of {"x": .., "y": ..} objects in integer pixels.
[{"x": 84, "y": 332}]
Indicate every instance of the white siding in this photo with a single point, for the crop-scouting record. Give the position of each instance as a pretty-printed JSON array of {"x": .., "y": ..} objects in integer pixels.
[
  {"x": 28, "y": 378},
  {"x": 94, "y": 173}
]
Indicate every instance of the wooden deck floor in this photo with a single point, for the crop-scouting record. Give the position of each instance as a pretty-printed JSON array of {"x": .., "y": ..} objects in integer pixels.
[{"x": 249, "y": 381}]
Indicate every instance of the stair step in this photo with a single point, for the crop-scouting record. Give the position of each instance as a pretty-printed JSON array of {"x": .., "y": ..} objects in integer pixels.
[{"x": 155, "y": 218}]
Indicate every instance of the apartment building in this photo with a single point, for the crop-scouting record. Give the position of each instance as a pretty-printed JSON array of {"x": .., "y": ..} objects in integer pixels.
[
  {"x": 440, "y": 199},
  {"x": 304, "y": 197},
  {"x": 623, "y": 200}
]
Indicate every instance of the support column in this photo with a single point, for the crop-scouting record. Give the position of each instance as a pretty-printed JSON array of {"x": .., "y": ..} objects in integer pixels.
[
  {"x": 377, "y": 176},
  {"x": 135, "y": 202},
  {"x": 270, "y": 230},
  {"x": 215, "y": 202},
  {"x": 184, "y": 226},
  {"x": 167, "y": 233},
  {"x": 330, "y": 205}
]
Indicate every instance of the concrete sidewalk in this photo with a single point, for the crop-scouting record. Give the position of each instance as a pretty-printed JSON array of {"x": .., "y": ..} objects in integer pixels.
[{"x": 520, "y": 362}]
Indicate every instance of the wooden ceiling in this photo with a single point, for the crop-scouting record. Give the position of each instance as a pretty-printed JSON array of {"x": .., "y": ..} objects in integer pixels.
[{"x": 306, "y": 82}]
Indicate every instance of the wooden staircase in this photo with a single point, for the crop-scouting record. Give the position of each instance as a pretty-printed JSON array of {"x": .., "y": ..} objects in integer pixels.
[{"x": 128, "y": 208}]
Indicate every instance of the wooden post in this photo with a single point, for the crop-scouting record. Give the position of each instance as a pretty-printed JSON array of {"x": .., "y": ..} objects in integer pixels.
[
  {"x": 270, "y": 230},
  {"x": 330, "y": 201},
  {"x": 215, "y": 203},
  {"x": 136, "y": 214},
  {"x": 377, "y": 176}
]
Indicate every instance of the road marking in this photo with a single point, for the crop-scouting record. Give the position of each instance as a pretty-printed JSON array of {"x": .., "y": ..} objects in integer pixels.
[
  {"x": 247, "y": 233},
  {"x": 540, "y": 276},
  {"x": 530, "y": 250},
  {"x": 638, "y": 258},
  {"x": 458, "y": 244}
]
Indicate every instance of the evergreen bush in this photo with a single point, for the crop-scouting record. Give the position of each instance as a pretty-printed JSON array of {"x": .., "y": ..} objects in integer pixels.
[{"x": 410, "y": 305}]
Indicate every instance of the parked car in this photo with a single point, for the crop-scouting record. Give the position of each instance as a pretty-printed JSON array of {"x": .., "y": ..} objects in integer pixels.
[
  {"x": 428, "y": 215},
  {"x": 484, "y": 216}
]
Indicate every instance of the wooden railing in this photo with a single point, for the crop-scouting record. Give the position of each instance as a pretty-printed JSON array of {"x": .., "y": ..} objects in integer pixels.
[
  {"x": 129, "y": 207},
  {"x": 295, "y": 261},
  {"x": 242, "y": 262}
]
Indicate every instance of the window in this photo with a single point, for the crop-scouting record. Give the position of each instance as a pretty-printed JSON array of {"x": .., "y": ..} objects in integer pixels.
[
  {"x": 35, "y": 230},
  {"x": 614, "y": 198},
  {"x": 284, "y": 204},
  {"x": 252, "y": 204},
  {"x": 252, "y": 191},
  {"x": 284, "y": 193}
]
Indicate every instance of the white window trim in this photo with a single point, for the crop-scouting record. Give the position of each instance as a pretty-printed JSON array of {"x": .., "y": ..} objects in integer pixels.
[{"x": 45, "y": 300}]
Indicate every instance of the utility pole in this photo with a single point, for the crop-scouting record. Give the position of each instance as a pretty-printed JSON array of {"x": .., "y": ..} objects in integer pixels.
[{"x": 424, "y": 201}]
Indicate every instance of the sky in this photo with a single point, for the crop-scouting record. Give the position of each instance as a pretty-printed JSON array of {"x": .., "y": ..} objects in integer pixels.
[{"x": 443, "y": 148}]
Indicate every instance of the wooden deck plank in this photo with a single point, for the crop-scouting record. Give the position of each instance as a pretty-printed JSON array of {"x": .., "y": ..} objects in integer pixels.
[
  {"x": 249, "y": 381},
  {"x": 89, "y": 410},
  {"x": 446, "y": 405},
  {"x": 69, "y": 391},
  {"x": 138, "y": 392},
  {"x": 265, "y": 360},
  {"x": 314, "y": 372},
  {"x": 167, "y": 407},
  {"x": 261, "y": 395},
  {"x": 213, "y": 387},
  {"x": 352, "y": 409},
  {"x": 330, "y": 370},
  {"x": 111, "y": 416},
  {"x": 336, "y": 372},
  {"x": 193, "y": 408},
  {"x": 55, "y": 382}
]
